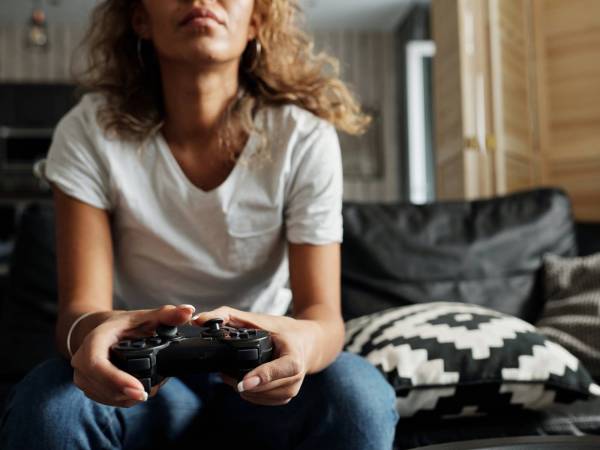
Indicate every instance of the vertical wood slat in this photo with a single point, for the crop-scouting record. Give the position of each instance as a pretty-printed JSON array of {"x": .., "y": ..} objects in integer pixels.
[{"x": 567, "y": 38}]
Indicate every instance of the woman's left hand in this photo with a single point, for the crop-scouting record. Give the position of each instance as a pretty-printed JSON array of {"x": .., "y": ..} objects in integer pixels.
[{"x": 278, "y": 381}]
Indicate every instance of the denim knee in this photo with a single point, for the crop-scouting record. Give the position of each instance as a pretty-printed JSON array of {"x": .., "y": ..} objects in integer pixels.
[
  {"x": 360, "y": 401},
  {"x": 46, "y": 410}
]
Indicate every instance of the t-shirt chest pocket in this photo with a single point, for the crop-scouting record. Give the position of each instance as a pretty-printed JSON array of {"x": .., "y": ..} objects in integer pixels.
[{"x": 254, "y": 236}]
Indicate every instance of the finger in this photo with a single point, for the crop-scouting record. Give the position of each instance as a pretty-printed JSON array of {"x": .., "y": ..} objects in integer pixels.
[
  {"x": 258, "y": 400},
  {"x": 108, "y": 402},
  {"x": 92, "y": 390},
  {"x": 93, "y": 358},
  {"x": 150, "y": 319},
  {"x": 90, "y": 385},
  {"x": 266, "y": 375}
]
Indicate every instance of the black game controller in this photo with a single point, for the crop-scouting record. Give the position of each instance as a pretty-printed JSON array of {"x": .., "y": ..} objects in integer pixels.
[{"x": 192, "y": 349}]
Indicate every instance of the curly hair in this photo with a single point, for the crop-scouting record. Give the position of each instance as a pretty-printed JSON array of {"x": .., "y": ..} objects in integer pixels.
[{"x": 286, "y": 70}]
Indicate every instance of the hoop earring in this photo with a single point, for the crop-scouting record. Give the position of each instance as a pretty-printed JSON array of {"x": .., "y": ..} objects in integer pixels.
[
  {"x": 257, "y": 51},
  {"x": 139, "y": 53}
]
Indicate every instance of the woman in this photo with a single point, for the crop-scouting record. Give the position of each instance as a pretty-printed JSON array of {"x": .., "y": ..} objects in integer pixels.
[{"x": 203, "y": 171}]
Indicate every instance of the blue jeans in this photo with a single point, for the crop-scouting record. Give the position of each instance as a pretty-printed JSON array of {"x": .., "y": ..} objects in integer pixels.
[{"x": 347, "y": 406}]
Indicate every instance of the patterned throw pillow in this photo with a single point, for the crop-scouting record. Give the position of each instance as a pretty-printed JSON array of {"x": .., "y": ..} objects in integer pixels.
[
  {"x": 572, "y": 313},
  {"x": 455, "y": 359}
]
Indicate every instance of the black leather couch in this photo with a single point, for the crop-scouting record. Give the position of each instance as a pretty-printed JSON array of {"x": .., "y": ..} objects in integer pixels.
[{"x": 486, "y": 252}]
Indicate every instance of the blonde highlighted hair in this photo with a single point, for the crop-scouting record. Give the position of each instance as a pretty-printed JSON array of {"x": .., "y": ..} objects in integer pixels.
[{"x": 286, "y": 70}]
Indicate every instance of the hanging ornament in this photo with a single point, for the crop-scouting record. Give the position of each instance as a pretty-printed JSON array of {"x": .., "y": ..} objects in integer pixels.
[{"x": 37, "y": 29}]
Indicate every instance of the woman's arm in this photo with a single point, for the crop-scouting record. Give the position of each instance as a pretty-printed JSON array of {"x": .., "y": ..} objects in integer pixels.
[
  {"x": 84, "y": 265},
  {"x": 85, "y": 269},
  {"x": 315, "y": 283}
]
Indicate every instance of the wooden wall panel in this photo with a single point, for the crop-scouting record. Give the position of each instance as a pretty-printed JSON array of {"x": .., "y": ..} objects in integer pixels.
[
  {"x": 581, "y": 179},
  {"x": 571, "y": 37},
  {"x": 568, "y": 46},
  {"x": 521, "y": 173}
]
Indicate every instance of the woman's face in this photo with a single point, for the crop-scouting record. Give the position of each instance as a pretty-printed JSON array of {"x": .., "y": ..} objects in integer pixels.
[{"x": 200, "y": 31}]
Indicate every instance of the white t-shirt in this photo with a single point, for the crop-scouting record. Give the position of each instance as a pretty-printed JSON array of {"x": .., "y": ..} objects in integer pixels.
[{"x": 175, "y": 243}]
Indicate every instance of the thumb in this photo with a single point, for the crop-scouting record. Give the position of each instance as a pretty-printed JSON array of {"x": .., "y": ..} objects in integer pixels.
[{"x": 150, "y": 319}]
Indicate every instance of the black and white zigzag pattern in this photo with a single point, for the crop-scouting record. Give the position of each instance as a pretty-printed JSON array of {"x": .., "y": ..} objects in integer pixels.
[{"x": 458, "y": 359}]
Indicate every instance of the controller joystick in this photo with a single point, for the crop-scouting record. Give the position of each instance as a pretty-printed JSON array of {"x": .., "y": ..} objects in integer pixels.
[
  {"x": 190, "y": 349},
  {"x": 166, "y": 331},
  {"x": 213, "y": 326}
]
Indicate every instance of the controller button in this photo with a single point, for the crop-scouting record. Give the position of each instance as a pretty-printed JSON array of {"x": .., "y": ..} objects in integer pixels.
[
  {"x": 252, "y": 332},
  {"x": 244, "y": 336},
  {"x": 139, "y": 364},
  {"x": 138, "y": 344},
  {"x": 234, "y": 334},
  {"x": 243, "y": 330},
  {"x": 247, "y": 354},
  {"x": 147, "y": 383},
  {"x": 124, "y": 344},
  {"x": 155, "y": 341}
]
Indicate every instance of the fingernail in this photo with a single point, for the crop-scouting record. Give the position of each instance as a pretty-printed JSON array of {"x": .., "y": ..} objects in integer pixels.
[
  {"x": 136, "y": 394},
  {"x": 192, "y": 307},
  {"x": 194, "y": 317},
  {"x": 250, "y": 383}
]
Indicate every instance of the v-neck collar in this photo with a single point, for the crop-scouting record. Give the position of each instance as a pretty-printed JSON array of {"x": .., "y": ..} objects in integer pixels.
[{"x": 164, "y": 148}]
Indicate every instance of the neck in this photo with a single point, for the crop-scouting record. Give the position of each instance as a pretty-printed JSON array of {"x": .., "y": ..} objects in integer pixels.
[{"x": 195, "y": 100}]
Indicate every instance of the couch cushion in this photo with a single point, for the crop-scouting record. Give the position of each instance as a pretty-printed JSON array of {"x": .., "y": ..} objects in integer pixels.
[
  {"x": 454, "y": 359},
  {"x": 485, "y": 252},
  {"x": 576, "y": 419},
  {"x": 588, "y": 238},
  {"x": 572, "y": 313},
  {"x": 28, "y": 313}
]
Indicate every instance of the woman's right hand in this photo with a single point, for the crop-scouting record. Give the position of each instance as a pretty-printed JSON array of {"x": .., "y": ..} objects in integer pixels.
[{"x": 96, "y": 376}]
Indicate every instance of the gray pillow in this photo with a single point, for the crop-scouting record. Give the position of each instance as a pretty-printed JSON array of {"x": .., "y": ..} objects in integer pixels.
[{"x": 572, "y": 313}]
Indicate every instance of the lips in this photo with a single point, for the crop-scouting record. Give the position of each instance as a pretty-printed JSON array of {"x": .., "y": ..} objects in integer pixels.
[{"x": 200, "y": 12}]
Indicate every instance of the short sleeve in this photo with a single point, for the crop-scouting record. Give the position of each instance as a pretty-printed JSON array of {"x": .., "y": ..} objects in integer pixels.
[
  {"x": 74, "y": 163},
  {"x": 313, "y": 211}
]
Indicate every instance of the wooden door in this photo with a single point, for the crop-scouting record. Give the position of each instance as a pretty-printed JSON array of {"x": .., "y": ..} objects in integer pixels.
[
  {"x": 516, "y": 154},
  {"x": 461, "y": 100}
]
